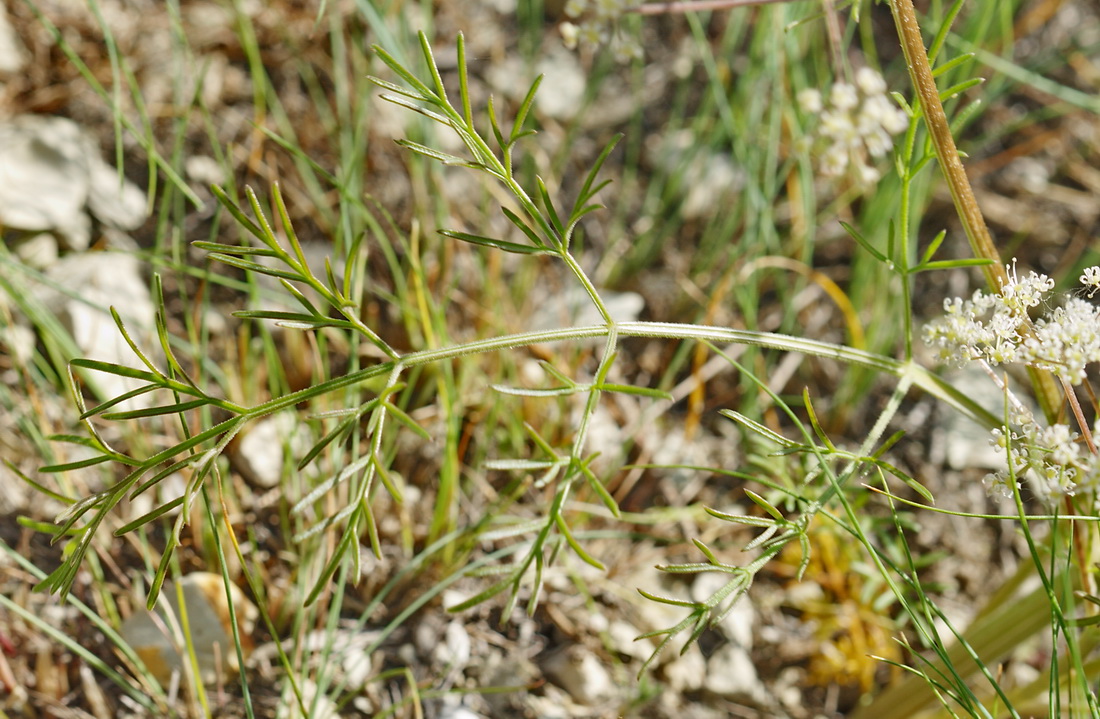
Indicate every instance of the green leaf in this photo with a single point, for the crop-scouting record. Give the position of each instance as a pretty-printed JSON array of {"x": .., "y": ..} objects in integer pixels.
[
  {"x": 430, "y": 152},
  {"x": 943, "y": 30},
  {"x": 398, "y": 89},
  {"x": 234, "y": 249},
  {"x": 524, "y": 110},
  {"x": 308, "y": 306},
  {"x": 178, "y": 408},
  {"x": 953, "y": 264},
  {"x": 256, "y": 267},
  {"x": 100, "y": 408},
  {"x": 518, "y": 529},
  {"x": 79, "y": 464},
  {"x": 740, "y": 518},
  {"x": 399, "y": 70},
  {"x": 430, "y": 114},
  {"x": 637, "y": 391},
  {"x": 759, "y": 429},
  {"x": 587, "y": 189},
  {"x": 238, "y": 215},
  {"x": 765, "y": 505},
  {"x": 864, "y": 243},
  {"x": 524, "y": 392},
  {"x": 953, "y": 63},
  {"x": 665, "y": 600},
  {"x": 494, "y": 243},
  {"x": 587, "y": 558},
  {"x": 38, "y": 526},
  {"x": 548, "y": 208},
  {"x": 932, "y": 247},
  {"x": 523, "y": 227},
  {"x": 521, "y": 464},
  {"x": 960, "y": 88},
  {"x": 818, "y": 430},
  {"x": 404, "y": 418},
  {"x": 38, "y": 487},
  {"x": 481, "y": 596},
  {"x": 119, "y": 370},
  {"x": 601, "y": 491},
  {"x": 494, "y": 125},
  {"x": 148, "y": 517},
  {"x": 429, "y": 58}
]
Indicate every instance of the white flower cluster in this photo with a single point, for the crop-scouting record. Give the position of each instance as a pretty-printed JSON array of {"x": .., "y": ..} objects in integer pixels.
[
  {"x": 1050, "y": 458},
  {"x": 859, "y": 120},
  {"x": 595, "y": 26},
  {"x": 989, "y": 327}
]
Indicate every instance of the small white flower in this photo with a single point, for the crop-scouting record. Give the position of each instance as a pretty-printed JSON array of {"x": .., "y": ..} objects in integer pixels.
[
  {"x": 1061, "y": 441},
  {"x": 868, "y": 175},
  {"x": 834, "y": 160},
  {"x": 810, "y": 100},
  {"x": 570, "y": 34},
  {"x": 843, "y": 96},
  {"x": 839, "y": 127},
  {"x": 575, "y": 8},
  {"x": 626, "y": 49},
  {"x": 878, "y": 142},
  {"x": 996, "y": 483},
  {"x": 870, "y": 82},
  {"x": 592, "y": 34},
  {"x": 896, "y": 121},
  {"x": 608, "y": 9},
  {"x": 1091, "y": 279}
]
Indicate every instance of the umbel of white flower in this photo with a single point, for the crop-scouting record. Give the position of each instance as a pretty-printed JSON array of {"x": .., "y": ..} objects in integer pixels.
[
  {"x": 595, "y": 25},
  {"x": 990, "y": 327},
  {"x": 856, "y": 124},
  {"x": 1048, "y": 456}
]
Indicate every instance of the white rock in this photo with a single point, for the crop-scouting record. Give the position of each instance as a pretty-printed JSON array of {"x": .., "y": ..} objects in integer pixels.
[
  {"x": 13, "y": 54},
  {"x": 458, "y": 712},
  {"x": 84, "y": 287},
  {"x": 454, "y": 650},
  {"x": 623, "y": 638},
  {"x": 260, "y": 454},
  {"x": 39, "y": 251},
  {"x": 17, "y": 343},
  {"x": 204, "y": 170},
  {"x": 731, "y": 674},
  {"x": 687, "y": 672},
  {"x": 156, "y": 636},
  {"x": 579, "y": 672},
  {"x": 574, "y": 308},
  {"x": 44, "y": 178},
  {"x": 964, "y": 444},
  {"x": 561, "y": 93},
  {"x": 115, "y": 201},
  {"x": 50, "y": 172},
  {"x": 318, "y": 706}
]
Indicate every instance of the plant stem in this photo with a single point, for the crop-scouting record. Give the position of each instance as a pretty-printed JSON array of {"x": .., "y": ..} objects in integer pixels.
[
  {"x": 916, "y": 57},
  {"x": 981, "y": 244}
]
